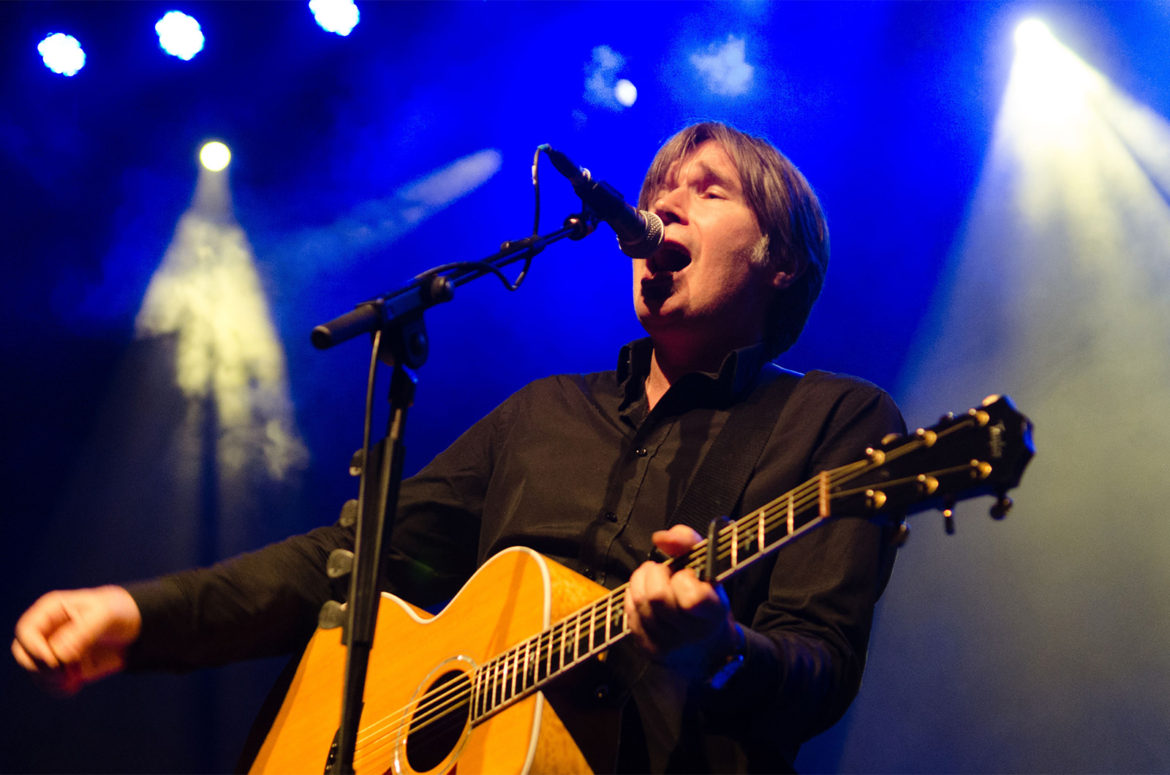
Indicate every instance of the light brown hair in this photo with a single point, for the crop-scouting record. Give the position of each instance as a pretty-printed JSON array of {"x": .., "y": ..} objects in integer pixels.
[{"x": 786, "y": 209}]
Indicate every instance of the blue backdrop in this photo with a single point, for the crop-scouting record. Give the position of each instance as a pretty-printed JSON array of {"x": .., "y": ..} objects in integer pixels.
[{"x": 961, "y": 266}]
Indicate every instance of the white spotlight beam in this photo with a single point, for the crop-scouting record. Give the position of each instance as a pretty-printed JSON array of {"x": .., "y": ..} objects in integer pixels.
[{"x": 378, "y": 222}]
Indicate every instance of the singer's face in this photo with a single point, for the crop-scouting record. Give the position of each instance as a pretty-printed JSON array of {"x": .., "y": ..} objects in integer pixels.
[{"x": 708, "y": 282}]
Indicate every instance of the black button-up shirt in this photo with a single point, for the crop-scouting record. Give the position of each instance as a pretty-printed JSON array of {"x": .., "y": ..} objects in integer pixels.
[{"x": 578, "y": 468}]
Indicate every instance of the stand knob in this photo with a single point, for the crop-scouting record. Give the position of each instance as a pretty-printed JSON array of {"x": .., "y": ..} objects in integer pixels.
[
  {"x": 340, "y": 563},
  {"x": 332, "y": 615},
  {"x": 349, "y": 511}
]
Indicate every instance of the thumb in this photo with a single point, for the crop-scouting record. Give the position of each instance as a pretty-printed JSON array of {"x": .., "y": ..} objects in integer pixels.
[{"x": 676, "y": 540}]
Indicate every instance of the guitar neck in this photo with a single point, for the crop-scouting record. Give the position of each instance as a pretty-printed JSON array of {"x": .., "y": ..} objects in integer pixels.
[{"x": 531, "y": 664}]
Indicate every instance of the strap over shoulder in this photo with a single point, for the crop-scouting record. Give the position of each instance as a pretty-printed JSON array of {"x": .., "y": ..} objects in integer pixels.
[{"x": 723, "y": 475}]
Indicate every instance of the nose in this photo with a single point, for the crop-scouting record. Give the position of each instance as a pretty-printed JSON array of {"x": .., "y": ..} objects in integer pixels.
[{"x": 670, "y": 206}]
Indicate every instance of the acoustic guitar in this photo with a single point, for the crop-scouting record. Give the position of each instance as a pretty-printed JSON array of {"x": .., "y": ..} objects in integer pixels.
[{"x": 465, "y": 689}]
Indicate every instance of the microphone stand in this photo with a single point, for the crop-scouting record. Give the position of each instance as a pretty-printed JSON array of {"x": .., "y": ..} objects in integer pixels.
[{"x": 395, "y": 321}]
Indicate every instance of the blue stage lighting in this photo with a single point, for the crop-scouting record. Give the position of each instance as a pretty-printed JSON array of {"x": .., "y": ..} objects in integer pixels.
[
  {"x": 62, "y": 54},
  {"x": 179, "y": 35},
  {"x": 336, "y": 16}
]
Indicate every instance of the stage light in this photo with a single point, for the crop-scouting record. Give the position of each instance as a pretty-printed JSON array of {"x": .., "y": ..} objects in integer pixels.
[
  {"x": 336, "y": 16},
  {"x": 376, "y": 223},
  {"x": 724, "y": 67},
  {"x": 1056, "y": 292},
  {"x": 215, "y": 156},
  {"x": 207, "y": 298},
  {"x": 179, "y": 35},
  {"x": 1033, "y": 34},
  {"x": 601, "y": 84},
  {"x": 1051, "y": 90},
  {"x": 625, "y": 92},
  {"x": 62, "y": 54}
]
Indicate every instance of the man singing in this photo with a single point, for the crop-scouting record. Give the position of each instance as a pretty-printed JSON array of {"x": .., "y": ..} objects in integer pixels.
[{"x": 591, "y": 471}]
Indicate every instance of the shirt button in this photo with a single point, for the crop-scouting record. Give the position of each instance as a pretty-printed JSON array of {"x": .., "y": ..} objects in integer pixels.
[
  {"x": 641, "y": 452},
  {"x": 609, "y": 515}
]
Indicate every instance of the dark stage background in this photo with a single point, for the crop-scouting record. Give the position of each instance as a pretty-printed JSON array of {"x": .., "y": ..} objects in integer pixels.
[{"x": 162, "y": 405}]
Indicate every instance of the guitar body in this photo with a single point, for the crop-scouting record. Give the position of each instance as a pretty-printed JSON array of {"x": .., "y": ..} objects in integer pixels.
[{"x": 417, "y": 664}]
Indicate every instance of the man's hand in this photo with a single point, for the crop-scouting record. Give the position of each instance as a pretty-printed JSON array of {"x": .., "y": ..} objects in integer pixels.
[
  {"x": 667, "y": 612},
  {"x": 70, "y": 638}
]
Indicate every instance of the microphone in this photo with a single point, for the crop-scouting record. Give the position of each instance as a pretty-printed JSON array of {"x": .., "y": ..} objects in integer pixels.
[{"x": 639, "y": 232}]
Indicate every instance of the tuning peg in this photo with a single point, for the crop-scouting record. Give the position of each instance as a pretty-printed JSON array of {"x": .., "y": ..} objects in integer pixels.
[
  {"x": 340, "y": 563},
  {"x": 349, "y": 511},
  {"x": 949, "y": 517},
  {"x": 356, "y": 462},
  {"x": 1002, "y": 505},
  {"x": 901, "y": 534},
  {"x": 928, "y": 437}
]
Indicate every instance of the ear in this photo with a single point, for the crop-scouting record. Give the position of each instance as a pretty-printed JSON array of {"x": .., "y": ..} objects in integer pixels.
[{"x": 781, "y": 280}]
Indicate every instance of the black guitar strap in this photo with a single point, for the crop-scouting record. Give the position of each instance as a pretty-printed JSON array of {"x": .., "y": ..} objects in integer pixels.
[{"x": 722, "y": 477}]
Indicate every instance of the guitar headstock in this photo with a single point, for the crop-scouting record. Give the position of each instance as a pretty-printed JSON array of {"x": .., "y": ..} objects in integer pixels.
[{"x": 981, "y": 452}]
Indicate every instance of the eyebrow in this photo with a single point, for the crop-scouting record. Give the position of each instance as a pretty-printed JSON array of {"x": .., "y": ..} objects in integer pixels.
[{"x": 704, "y": 172}]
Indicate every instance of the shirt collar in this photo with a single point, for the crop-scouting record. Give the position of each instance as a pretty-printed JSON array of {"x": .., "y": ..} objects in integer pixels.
[{"x": 735, "y": 376}]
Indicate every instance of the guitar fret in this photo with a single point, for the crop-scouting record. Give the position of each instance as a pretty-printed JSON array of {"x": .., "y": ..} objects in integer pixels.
[
  {"x": 566, "y": 645},
  {"x": 485, "y": 698},
  {"x": 791, "y": 514},
  {"x": 549, "y": 651},
  {"x": 503, "y": 678},
  {"x": 760, "y": 529},
  {"x": 576, "y": 638},
  {"x": 734, "y": 544},
  {"x": 497, "y": 681},
  {"x": 489, "y": 699},
  {"x": 823, "y": 485},
  {"x": 528, "y": 663},
  {"x": 515, "y": 670},
  {"x": 476, "y": 696},
  {"x": 559, "y": 646}
]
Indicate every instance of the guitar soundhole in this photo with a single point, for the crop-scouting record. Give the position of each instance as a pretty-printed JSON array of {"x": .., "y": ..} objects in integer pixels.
[{"x": 439, "y": 719}]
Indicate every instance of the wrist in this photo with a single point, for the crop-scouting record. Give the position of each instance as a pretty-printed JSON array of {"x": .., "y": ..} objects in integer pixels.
[
  {"x": 727, "y": 661},
  {"x": 126, "y": 618}
]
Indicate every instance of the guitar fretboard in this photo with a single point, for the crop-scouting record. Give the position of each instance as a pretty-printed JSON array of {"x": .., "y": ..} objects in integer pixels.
[{"x": 532, "y": 663}]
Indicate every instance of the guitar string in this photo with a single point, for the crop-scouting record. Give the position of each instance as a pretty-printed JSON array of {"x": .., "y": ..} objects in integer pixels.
[
  {"x": 574, "y": 621},
  {"x": 727, "y": 536},
  {"x": 437, "y": 706}
]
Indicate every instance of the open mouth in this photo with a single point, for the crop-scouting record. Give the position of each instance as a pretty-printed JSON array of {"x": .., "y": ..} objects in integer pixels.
[{"x": 670, "y": 257}]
